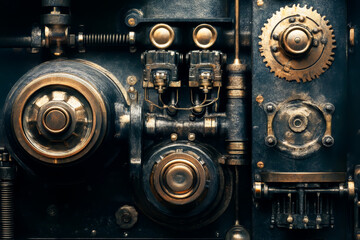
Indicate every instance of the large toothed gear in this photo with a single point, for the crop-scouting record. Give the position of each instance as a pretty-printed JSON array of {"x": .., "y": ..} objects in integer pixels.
[{"x": 297, "y": 43}]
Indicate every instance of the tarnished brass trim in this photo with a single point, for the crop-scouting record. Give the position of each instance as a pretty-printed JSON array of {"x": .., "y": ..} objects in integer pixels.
[
  {"x": 204, "y": 36},
  {"x": 351, "y": 189},
  {"x": 352, "y": 37},
  {"x": 236, "y": 94},
  {"x": 162, "y": 36},
  {"x": 303, "y": 177},
  {"x": 210, "y": 125},
  {"x": 236, "y": 146},
  {"x": 257, "y": 189}
]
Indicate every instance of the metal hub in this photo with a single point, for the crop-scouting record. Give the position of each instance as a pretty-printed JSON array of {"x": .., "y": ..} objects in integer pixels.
[
  {"x": 297, "y": 44},
  {"x": 61, "y": 116},
  {"x": 296, "y": 40},
  {"x": 56, "y": 120},
  {"x": 179, "y": 178}
]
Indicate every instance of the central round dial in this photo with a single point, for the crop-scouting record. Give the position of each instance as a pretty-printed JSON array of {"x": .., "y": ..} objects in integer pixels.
[
  {"x": 56, "y": 120},
  {"x": 179, "y": 178},
  {"x": 296, "y": 40}
]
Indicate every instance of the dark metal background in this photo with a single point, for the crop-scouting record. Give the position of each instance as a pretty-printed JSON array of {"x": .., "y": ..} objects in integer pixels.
[{"x": 87, "y": 210}]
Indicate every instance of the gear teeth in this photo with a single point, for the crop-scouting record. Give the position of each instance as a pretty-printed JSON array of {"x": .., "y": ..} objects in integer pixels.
[{"x": 312, "y": 72}]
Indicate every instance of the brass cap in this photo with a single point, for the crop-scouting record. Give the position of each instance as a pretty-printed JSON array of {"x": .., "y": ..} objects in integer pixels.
[
  {"x": 162, "y": 36},
  {"x": 204, "y": 36},
  {"x": 296, "y": 40}
]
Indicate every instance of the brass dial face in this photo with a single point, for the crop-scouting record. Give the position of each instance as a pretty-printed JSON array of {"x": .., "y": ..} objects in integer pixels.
[{"x": 297, "y": 44}]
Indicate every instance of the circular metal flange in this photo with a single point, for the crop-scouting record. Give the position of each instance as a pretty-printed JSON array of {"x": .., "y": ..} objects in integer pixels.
[
  {"x": 297, "y": 44},
  {"x": 299, "y": 127},
  {"x": 162, "y": 36},
  {"x": 58, "y": 118},
  {"x": 204, "y": 36},
  {"x": 179, "y": 178},
  {"x": 183, "y": 185}
]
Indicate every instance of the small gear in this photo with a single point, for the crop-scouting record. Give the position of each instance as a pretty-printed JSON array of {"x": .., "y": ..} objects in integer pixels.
[{"x": 297, "y": 43}]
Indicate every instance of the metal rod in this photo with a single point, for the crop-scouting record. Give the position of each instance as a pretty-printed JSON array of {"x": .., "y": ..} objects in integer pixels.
[
  {"x": 237, "y": 207},
  {"x": 237, "y": 32}
]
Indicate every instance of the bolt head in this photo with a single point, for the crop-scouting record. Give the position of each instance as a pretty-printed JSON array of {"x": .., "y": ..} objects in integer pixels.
[
  {"x": 276, "y": 36},
  {"x": 132, "y": 22},
  {"x": 173, "y": 137},
  {"x": 328, "y": 141},
  {"x": 191, "y": 137},
  {"x": 260, "y": 164},
  {"x": 270, "y": 141},
  {"x": 274, "y": 48},
  {"x": 315, "y": 43},
  {"x": 329, "y": 108},
  {"x": 270, "y": 108}
]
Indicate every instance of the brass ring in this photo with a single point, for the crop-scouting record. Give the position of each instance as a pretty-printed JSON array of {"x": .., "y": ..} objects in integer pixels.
[
  {"x": 162, "y": 36},
  {"x": 97, "y": 105},
  {"x": 204, "y": 36}
]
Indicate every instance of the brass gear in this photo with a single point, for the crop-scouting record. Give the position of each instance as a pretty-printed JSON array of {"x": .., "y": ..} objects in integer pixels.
[{"x": 297, "y": 43}]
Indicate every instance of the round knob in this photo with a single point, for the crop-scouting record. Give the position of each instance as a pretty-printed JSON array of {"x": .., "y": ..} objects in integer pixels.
[
  {"x": 162, "y": 36},
  {"x": 204, "y": 35},
  {"x": 179, "y": 178},
  {"x": 56, "y": 120},
  {"x": 296, "y": 40}
]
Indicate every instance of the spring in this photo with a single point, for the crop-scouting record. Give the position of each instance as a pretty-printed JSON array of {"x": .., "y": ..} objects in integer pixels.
[
  {"x": 106, "y": 39},
  {"x": 6, "y": 210}
]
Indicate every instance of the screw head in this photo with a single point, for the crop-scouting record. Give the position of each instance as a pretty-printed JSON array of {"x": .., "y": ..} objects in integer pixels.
[
  {"x": 290, "y": 219},
  {"x": 292, "y": 19},
  {"x": 301, "y": 18},
  {"x": 315, "y": 30}
]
